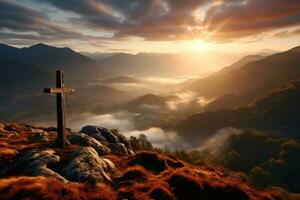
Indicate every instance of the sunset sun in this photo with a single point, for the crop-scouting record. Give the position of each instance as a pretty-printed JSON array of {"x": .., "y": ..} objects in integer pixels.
[
  {"x": 200, "y": 45},
  {"x": 150, "y": 99}
]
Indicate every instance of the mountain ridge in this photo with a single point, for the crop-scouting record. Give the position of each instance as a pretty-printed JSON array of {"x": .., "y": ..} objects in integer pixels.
[
  {"x": 76, "y": 65},
  {"x": 251, "y": 80},
  {"x": 276, "y": 112}
]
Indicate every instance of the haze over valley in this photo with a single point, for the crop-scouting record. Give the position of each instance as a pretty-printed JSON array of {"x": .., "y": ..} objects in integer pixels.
[
  {"x": 150, "y": 99},
  {"x": 144, "y": 99}
]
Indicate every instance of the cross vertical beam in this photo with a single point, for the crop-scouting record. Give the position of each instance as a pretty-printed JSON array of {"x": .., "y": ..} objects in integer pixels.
[
  {"x": 60, "y": 107},
  {"x": 60, "y": 91}
]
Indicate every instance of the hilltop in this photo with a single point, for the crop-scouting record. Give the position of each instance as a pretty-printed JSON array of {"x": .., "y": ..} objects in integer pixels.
[{"x": 100, "y": 164}]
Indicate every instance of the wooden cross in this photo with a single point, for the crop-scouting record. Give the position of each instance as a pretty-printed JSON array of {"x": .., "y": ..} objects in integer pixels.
[{"x": 60, "y": 107}]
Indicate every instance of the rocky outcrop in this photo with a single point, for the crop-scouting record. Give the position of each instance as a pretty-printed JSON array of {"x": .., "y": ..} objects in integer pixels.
[
  {"x": 85, "y": 140},
  {"x": 33, "y": 163},
  {"x": 2, "y": 126},
  {"x": 94, "y": 132},
  {"x": 144, "y": 175},
  {"x": 118, "y": 148},
  {"x": 83, "y": 165},
  {"x": 38, "y": 136},
  {"x": 117, "y": 142},
  {"x": 122, "y": 139},
  {"x": 109, "y": 136},
  {"x": 101, "y": 133},
  {"x": 6, "y": 133},
  {"x": 87, "y": 166}
]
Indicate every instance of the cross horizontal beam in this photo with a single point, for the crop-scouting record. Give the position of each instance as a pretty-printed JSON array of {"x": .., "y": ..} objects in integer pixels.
[{"x": 58, "y": 90}]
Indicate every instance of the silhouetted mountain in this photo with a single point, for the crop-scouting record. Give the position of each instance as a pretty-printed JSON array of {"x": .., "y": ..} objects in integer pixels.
[
  {"x": 251, "y": 80},
  {"x": 266, "y": 52},
  {"x": 15, "y": 75},
  {"x": 52, "y": 58},
  {"x": 295, "y": 49},
  {"x": 278, "y": 112},
  {"x": 140, "y": 64},
  {"x": 163, "y": 64},
  {"x": 240, "y": 63},
  {"x": 98, "y": 56},
  {"x": 228, "y": 101}
]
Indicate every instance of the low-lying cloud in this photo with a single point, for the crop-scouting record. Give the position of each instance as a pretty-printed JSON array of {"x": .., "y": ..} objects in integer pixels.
[
  {"x": 218, "y": 141},
  {"x": 169, "y": 80},
  {"x": 160, "y": 138},
  {"x": 168, "y": 140},
  {"x": 186, "y": 99},
  {"x": 123, "y": 121}
]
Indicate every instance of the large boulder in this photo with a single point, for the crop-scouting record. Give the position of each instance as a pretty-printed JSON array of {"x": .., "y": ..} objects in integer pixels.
[
  {"x": 116, "y": 142},
  {"x": 38, "y": 136},
  {"x": 85, "y": 140},
  {"x": 109, "y": 136},
  {"x": 118, "y": 148},
  {"x": 90, "y": 129},
  {"x": 33, "y": 163},
  {"x": 93, "y": 131},
  {"x": 122, "y": 138},
  {"x": 87, "y": 166},
  {"x": 100, "y": 133},
  {"x": 2, "y": 126},
  {"x": 8, "y": 134}
]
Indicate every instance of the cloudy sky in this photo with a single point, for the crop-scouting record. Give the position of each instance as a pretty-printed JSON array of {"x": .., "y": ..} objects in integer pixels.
[{"x": 152, "y": 25}]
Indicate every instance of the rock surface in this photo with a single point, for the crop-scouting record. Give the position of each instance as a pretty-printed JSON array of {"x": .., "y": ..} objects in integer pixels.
[
  {"x": 85, "y": 140},
  {"x": 39, "y": 136},
  {"x": 118, "y": 143},
  {"x": 109, "y": 136},
  {"x": 87, "y": 166},
  {"x": 2, "y": 126},
  {"x": 144, "y": 175},
  {"x": 33, "y": 163},
  {"x": 118, "y": 148},
  {"x": 100, "y": 132}
]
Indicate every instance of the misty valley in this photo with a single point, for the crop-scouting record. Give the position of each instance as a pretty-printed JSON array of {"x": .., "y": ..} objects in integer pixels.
[
  {"x": 243, "y": 116},
  {"x": 149, "y": 100}
]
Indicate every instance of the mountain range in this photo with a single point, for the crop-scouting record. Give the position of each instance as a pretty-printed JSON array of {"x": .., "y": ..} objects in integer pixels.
[
  {"x": 163, "y": 64},
  {"x": 250, "y": 80},
  {"x": 261, "y": 95},
  {"x": 49, "y": 58},
  {"x": 233, "y": 87}
]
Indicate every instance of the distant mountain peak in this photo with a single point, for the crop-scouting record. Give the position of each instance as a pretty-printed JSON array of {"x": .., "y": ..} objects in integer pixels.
[
  {"x": 5, "y": 45},
  {"x": 295, "y": 49},
  {"x": 39, "y": 45},
  {"x": 45, "y": 46}
]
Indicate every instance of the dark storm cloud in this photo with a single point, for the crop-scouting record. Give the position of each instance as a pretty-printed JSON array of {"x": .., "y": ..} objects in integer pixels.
[
  {"x": 170, "y": 19},
  {"x": 240, "y": 18},
  {"x": 22, "y": 23},
  {"x": 223, "y": 20},
  {"x": 150, "y": 19}
]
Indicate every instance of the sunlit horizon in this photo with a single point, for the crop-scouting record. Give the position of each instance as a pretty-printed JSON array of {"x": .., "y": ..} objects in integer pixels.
[{"x": 151, "y": 27}]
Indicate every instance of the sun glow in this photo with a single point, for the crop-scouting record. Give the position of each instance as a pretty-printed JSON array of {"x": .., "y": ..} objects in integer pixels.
[{"x": 199, "y": 45}]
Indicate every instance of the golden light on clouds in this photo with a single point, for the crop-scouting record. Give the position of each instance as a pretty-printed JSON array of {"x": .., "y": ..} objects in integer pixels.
[
  {"x": 199, "y": 45},
  {"x": 152, "y": 26}
]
